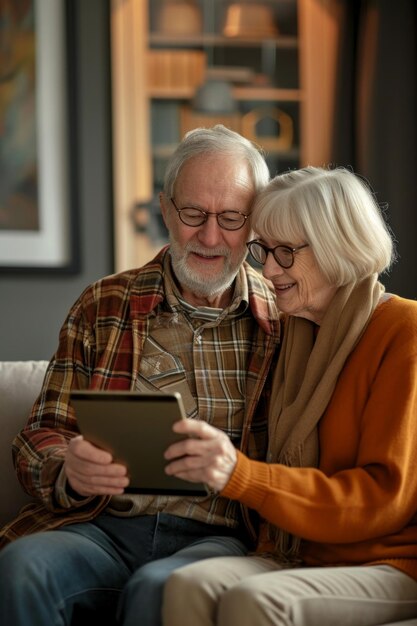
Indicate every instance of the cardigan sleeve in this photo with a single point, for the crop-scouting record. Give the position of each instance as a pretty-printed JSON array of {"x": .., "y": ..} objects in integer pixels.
[{"x": 366, "y": 483}]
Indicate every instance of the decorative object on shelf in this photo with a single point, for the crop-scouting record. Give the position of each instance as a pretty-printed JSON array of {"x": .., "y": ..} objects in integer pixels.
[
  {"x": 282, "y": 141},
  {"x": 232, "y": 74},
  {"x": 171, "y": 69},
  {"x": 180, "y": 17},
  {"x": 214, "y": 96},
  {"x": 147, "y": 219},
  {"x": 250, "y": 19}
]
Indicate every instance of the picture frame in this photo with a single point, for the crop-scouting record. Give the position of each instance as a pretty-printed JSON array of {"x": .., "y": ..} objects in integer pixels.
[{"x": 39, "y": 219}]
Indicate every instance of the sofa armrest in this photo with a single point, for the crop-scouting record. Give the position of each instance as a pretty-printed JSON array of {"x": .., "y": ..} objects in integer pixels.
[{"x": 20, "y": 383}]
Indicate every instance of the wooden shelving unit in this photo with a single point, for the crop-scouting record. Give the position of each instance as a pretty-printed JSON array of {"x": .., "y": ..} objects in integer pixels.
[{"x": 148, "y": 119}]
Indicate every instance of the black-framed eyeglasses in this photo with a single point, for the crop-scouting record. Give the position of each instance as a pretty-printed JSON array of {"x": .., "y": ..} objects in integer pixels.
[
  {"x": 229, "y": 220},
  {"x": 283, "y": 255}
]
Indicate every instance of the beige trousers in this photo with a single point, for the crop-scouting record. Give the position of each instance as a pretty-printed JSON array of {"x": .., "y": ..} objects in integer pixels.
[{"x": 254, "y": 591}]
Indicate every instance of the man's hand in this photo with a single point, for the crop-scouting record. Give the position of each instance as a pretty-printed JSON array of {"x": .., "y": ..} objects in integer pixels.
[
  {"x": 207, "y": 455},
  {"x": 90, "y": 471}
]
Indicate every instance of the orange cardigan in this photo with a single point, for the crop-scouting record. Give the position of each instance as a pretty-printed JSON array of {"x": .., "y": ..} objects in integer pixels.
[{"x": 360, "y": 505}]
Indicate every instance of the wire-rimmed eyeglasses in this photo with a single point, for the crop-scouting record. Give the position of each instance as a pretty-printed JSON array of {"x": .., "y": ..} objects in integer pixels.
[
  {"x": 283, "y": 255},
  {"x": 229, "y": 220}
]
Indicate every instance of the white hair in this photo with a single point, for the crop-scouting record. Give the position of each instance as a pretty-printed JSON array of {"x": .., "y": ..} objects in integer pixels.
[
  {"x": 335, "y": 212},
  {"x": 216, "y": 140}
]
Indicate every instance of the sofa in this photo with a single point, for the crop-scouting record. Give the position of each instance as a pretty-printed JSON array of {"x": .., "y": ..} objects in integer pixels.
[{"x": 20, "y": 383}]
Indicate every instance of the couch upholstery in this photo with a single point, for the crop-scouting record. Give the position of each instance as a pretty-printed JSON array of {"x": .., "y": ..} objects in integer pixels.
[{"x": 20, "y": 383}]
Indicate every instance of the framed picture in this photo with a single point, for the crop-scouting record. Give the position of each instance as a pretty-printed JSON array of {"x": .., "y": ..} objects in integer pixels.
[{"x": 38, "y": 212}]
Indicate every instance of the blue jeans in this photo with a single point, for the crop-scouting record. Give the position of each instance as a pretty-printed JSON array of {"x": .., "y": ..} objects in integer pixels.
[{"x": 90, "y": 572}]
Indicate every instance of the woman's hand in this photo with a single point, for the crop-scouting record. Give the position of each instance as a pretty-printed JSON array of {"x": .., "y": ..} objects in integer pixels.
[
  {"x": 207, "y": 455},
  {"x": 90, "y": 471}
]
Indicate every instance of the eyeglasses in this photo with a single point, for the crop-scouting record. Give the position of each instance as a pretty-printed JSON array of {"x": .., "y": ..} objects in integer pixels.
[
  {"x": 229, "y": 220},
  {"x": 283, "y": 255}
]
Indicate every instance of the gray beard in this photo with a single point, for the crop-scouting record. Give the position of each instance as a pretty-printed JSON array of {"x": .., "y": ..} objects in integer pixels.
[{"x": 205, "y": 286}]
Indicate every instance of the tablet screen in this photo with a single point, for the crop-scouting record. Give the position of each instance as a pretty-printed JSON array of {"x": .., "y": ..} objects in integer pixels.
[{"x": 136, "y": 428}]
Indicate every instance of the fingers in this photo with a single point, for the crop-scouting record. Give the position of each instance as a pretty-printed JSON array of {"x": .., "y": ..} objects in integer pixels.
[
  {"x": 97, "y": 485},
  {"x": 196, "y": 428},
  {"x": 83, "y": 449},
  {"x": 195, "y": 447},
  {"x": 195, "y": 431},
  {"x": 90, "y": 470},
  {"x": 210, "y": 459},
  {"x": 215, "y": 473}
]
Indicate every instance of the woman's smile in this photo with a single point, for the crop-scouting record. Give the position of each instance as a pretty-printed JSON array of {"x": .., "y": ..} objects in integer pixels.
[{"x": 282, "y": 288}]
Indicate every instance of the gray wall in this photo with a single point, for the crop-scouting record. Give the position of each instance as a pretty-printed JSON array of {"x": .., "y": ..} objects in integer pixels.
[{"x": 33, "y": 307}]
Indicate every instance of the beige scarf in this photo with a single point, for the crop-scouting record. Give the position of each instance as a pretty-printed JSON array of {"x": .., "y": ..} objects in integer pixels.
[{"x": 304, "y": 381}]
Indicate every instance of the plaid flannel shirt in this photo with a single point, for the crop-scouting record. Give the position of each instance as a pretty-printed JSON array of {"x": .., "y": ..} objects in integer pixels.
[{"x": 100, "y": 347}]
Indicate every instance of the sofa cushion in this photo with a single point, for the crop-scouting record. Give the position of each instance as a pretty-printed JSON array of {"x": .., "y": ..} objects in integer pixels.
[{"x": 20, "y": 383}]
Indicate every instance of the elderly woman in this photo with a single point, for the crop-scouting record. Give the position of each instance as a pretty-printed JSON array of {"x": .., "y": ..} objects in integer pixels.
[{"x": 337, "y": 496}]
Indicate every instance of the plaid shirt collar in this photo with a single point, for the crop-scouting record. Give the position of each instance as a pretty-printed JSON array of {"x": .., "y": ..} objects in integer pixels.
[{"x": 250, "y": 287}]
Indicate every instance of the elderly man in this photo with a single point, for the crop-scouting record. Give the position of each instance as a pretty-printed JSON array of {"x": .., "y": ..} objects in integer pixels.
[{"x": 198, "y": 320}]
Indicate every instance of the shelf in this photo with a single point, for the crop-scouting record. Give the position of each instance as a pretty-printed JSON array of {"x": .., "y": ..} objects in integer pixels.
[
  {"x": 204, "y": 40},
  {"x": 268, "y": 94}
]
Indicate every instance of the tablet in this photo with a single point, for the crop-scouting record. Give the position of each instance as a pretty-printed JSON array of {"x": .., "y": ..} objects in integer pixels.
[{"x": 136, "y": 428}]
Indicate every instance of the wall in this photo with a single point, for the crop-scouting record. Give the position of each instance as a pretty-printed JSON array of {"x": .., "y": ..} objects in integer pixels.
[
  {"x": 375, "y": 129},
  {"x": 33, "y": 307}
]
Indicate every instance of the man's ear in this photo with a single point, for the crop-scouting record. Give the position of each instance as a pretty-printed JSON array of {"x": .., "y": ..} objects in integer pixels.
[{"x": 163, "y": 206}]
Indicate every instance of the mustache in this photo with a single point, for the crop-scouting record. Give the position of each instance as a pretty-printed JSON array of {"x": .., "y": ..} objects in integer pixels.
[{"x": 219, "y": 251}]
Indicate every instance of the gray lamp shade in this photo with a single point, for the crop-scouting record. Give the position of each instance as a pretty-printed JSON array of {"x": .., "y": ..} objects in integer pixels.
[{"x": 214, "y": 96}]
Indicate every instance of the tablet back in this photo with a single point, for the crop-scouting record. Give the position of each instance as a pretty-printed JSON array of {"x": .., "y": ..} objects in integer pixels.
[{"x": 136, "y": 428}]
